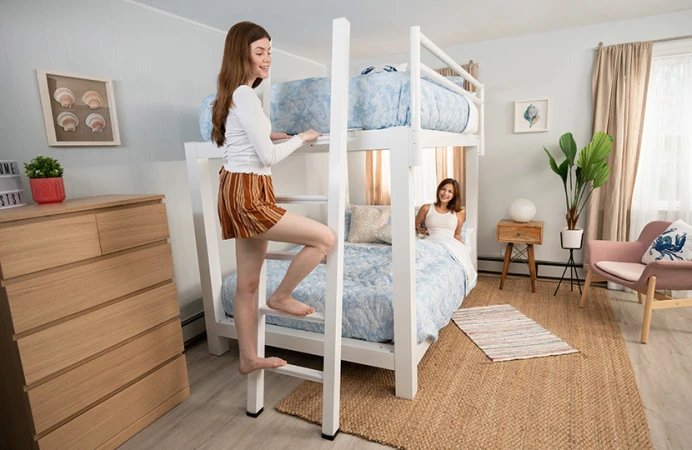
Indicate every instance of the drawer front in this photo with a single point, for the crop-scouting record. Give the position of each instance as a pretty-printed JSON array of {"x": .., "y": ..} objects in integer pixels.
[
  {"x": 102, "y": 426},
  {"x": 41, "y": 245},
  {"x": 53, "y": 296},
  {"x": 528, "y": 235},
  {"x": 131, "y": 227},
  {"x": 53, "y": 349},
  {"x": 71, "y": 392}
]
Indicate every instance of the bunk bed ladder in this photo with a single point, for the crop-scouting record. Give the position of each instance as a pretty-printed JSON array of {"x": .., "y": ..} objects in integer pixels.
[{"x": 330, "y": 376}]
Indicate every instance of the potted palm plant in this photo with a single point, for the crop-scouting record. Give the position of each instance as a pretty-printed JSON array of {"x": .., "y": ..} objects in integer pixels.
[
  {"x": 590, "y": 172},
  {"x": 45, "y": 178}
]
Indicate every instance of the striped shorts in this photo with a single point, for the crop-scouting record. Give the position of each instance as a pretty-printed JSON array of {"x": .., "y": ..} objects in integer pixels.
[{"x": 247, "y": 205}]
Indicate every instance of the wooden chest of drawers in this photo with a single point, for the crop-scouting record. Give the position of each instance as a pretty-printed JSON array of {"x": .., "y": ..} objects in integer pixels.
[{"x": 90, "y": 337}]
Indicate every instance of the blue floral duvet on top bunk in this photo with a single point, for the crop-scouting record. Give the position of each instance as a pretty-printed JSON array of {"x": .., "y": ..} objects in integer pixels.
[
  {"x": 441, "y": 284},
  {"x": 376, "y": 101}
]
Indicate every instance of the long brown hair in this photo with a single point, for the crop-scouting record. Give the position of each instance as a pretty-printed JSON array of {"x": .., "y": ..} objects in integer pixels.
[
  {"x": 235, "y": 69},
  {"x": 455, "y": 203}
]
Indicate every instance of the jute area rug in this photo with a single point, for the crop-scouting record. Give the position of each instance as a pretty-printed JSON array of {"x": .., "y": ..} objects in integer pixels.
[{"x": 586, "y": 400}]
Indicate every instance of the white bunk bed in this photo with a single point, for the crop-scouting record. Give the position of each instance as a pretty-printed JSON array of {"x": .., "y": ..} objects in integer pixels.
[{"x": 404, "y": 355}]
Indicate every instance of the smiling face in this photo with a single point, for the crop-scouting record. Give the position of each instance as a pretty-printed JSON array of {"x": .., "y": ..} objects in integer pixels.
[
  {"x": 260, "y": 59},
  {"x": 446, "y": 193}
]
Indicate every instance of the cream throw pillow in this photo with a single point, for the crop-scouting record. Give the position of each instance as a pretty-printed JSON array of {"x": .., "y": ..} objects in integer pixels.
[
  {"x": 384, "y": 233},
  {"x": 365, "y": 221}
]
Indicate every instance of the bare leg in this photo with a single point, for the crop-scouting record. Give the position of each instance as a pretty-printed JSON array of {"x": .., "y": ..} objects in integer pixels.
[
  {"x": 317, "y": 239},
  {"x": 250, "y": 257}
]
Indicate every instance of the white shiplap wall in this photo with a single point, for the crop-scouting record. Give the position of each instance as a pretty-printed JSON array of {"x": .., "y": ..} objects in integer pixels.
[{"x": 162, "y": 67}]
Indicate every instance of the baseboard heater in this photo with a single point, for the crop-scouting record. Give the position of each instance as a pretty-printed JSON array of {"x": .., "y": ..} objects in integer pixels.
[{"x": 524, "y": 261}]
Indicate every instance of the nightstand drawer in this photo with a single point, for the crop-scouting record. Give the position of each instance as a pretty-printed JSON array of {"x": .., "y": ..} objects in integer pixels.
[
  {"x": 54, "y": 349},
  {"x": 61, "y": 397},
  {"x": 50, "y": 243},
  {"x": 519, "y": 233},
  {"x": 112, "y": 422},
  {"x": 132, "y": 227},
  {"x": 52, "y": 296}
]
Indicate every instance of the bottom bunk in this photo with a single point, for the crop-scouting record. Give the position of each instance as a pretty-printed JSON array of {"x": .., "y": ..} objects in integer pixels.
[{"x": 368, "y": 317}]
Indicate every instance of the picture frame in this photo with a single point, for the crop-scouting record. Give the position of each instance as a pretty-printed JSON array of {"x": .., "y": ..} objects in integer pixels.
[
  {"x": 531, "y": 116},
  {"x": 78, "y": 110}
]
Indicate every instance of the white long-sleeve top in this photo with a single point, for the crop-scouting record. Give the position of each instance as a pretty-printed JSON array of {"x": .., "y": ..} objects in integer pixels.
[{"x": 248, "y": 148}]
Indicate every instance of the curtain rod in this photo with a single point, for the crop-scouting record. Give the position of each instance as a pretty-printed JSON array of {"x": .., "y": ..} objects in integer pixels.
[{"x": 677, "y": 38}]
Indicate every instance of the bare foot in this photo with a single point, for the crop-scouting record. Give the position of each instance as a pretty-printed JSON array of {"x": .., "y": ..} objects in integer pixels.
[
  {"x": 246, "y": 367},
  {"x": 289, "y": 305}
]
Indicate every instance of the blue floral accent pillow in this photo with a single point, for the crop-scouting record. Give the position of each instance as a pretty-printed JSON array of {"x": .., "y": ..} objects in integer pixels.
[{"x": 674, "y": 244}]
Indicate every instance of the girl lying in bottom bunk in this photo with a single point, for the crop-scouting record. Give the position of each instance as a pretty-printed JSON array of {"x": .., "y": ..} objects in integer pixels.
[
  {"x": 444, "y": 273},
  {"x": 442, "y": 222}
]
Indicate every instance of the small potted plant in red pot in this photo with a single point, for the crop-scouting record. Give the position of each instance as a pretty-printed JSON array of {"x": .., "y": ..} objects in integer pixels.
[{"x": 45, "y": 177}]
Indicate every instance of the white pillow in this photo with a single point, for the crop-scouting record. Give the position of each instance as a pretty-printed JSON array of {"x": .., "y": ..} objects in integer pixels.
[
  {"x": 384, "y": 233},
  {"x": 674, "y": 244},
  {"x": 365, "y": 220}
]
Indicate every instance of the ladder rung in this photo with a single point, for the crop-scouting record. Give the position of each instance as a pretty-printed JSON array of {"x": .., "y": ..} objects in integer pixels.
[
  {"x": 314, "y": 317},
  {"x": 300, "y": 372},
  {"x": 286, "y": 199},
  {"x": 286, "y": 256}
]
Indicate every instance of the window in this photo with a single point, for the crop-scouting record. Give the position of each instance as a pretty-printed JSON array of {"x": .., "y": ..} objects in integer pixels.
[{"x": 663, "y": 187}]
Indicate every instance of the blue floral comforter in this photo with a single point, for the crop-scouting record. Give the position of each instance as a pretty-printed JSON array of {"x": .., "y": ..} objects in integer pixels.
[
  {"x": 376, "y": 101},
  {"x": 367, "y": 300}
]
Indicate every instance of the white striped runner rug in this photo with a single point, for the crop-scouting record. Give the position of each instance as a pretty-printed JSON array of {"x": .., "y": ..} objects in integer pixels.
[{"x": 504, "y": 333}]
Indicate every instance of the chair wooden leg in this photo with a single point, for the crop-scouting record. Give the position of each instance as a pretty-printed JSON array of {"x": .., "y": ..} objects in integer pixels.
[
  {"x": 587, "y": 284},
  {"x": 648, "y": 308},
  {"x": 641, "y": 297}
]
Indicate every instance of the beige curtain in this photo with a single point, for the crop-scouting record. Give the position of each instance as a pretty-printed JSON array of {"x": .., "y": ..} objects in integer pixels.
[
  {"x": 377, "y": 186},
  {"x": 451, "y": 161},
  {"x": 619, "y": 83}
]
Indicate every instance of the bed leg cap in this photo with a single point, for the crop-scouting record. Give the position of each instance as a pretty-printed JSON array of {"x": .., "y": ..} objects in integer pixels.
[
  {"x": 330, "y": 438},
  {"x": 255, "y": 415}
]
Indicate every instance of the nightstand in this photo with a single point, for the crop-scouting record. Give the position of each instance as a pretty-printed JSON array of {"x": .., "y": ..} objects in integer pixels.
[{"x": 512, "y": 232}]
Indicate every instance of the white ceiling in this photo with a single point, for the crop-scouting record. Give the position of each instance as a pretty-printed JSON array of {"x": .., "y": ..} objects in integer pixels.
[{"x": 380, "y": 27}]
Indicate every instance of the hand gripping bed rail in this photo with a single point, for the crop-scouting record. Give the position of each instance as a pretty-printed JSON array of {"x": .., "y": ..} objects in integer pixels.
[{"x": 330, "y": 376}]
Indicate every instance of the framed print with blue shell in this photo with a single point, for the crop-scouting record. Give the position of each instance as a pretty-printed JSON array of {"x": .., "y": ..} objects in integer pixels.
[{"x": 531, "y": 116}]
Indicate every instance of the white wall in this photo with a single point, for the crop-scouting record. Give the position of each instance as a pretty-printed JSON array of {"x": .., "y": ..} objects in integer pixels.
[
  {"x": 555, "y": 65},
  {"x": 162, "y": 67}
]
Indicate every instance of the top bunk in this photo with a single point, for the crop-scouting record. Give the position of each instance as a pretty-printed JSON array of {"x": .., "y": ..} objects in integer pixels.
[{"x": 385, "y": 109}]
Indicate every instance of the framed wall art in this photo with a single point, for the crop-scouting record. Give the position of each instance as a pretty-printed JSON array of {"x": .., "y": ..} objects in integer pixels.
[
  {"x": 531, "y": 116},
  {"x": 78, "y": 110}
]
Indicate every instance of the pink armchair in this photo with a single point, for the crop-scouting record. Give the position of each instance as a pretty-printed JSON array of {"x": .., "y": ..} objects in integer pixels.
[{"x": 620, "y": 262}]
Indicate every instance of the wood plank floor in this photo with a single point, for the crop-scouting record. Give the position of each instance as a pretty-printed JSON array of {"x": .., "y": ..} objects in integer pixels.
[{"x": 214, "y": 415}]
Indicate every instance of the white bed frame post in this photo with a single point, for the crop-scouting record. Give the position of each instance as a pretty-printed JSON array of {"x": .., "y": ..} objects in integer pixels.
[
  {"x": 403, "y": 238},
  {"x": 336, "y": 206},
  {"x": 207, "y": 239},
  {"x": 255, "y": 380}
]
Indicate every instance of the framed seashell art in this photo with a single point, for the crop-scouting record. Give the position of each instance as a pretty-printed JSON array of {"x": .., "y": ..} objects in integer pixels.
[
  {"x": 78, "y": 110},
  {"x": 531, "y": 116}
]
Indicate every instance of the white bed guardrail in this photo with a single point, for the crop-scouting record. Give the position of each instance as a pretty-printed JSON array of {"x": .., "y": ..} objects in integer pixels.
[{"x": 417, "y": 68}]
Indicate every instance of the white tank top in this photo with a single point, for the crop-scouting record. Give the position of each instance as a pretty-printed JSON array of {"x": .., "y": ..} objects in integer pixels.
[{"x": 441, "y": 225}]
